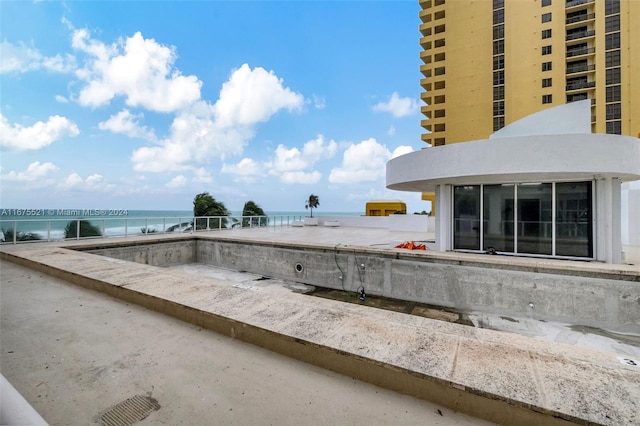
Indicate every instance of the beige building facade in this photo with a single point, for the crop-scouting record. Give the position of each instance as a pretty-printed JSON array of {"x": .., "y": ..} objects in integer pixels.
[{"x": 488, "y": 63}]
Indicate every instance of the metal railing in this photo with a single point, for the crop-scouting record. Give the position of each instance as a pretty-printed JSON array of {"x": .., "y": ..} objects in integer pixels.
[
  {"x": 573, "y": 3},
  {"x": 580, "y": 18},
  {"x": 580, "y": 34},
  {"x": 581, "y": 85},
  {"x": 14, "y": 231},
  {"x": 580, "y": 68},
  {"x": 581, "y": 51}
]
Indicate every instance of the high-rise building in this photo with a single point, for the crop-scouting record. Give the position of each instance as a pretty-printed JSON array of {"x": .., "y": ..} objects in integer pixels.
[{"x": 488, "y": 63}]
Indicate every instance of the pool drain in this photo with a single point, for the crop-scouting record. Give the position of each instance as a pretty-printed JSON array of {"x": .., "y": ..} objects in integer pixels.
[
  {"x": 129, "y": 411},
  {"x": 299, "y": 267}
]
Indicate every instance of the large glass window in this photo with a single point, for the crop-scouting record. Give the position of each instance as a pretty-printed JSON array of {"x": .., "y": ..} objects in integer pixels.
[
  {"x": 574, "y": 236},
  {"x": 466, "y": 216},
  {"x": 525, "y": 218},
  {"x": 497, "y": 220},
  {"x": 534, "y": 218}
]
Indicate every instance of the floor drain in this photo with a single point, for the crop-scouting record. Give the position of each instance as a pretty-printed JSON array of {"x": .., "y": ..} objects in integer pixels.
[{"x": 129, "y": 411}]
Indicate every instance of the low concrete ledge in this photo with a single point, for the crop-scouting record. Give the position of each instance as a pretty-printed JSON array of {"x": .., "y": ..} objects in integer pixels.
[
  {"x": 526, "y": 382},
  {"x": 331, "y": 223}
]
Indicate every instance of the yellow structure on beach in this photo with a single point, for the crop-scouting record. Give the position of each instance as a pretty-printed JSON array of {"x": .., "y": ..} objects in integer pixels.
[{"x": 385, "y": 207}]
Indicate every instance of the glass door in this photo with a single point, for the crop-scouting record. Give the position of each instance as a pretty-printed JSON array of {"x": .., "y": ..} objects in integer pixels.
[{"x": 466, "y": 217}]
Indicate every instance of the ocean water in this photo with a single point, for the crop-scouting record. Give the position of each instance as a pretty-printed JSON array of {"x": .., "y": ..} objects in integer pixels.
[{"x": 50, "y": 224}]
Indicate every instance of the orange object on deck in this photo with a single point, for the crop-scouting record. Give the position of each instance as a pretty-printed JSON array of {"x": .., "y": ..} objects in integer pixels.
[{"x": 411, "y": 245}]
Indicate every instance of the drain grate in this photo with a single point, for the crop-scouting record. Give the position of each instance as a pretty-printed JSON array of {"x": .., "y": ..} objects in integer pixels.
[{"x": 129, "y": 411}]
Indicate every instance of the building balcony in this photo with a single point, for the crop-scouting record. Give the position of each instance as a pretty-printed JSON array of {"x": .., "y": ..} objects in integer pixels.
[
  {"x": 576, "y": 97},
  {"x": 580, "y": 69},
  {"x": 580, "y": 52},
  {"x": 576, "y": 3},
  {"x": 425, "y": 15},
  {"x": 424, "y": 68},
  {"x": 425, "y": 29},
  {"x": 581, "y": 34},
  {"x": 425, "y": 42},
  {"x": 425, "y": 56},
  {"x": 578, "y": 85},
  {"x": 580, "y": 18}
]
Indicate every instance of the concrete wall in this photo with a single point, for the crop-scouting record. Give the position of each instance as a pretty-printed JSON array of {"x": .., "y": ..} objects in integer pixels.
[
  {"x": 161, "y": 254},
  {"x": 631, "y": 213},
  {"x": 597, "y": 301}
]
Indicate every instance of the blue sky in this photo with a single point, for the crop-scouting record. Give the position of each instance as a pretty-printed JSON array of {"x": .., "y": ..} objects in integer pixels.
[{"x": 142, "y": 105}]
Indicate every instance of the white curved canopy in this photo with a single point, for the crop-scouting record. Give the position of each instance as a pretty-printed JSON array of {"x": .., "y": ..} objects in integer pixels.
[{"x": 518, "y": 159}]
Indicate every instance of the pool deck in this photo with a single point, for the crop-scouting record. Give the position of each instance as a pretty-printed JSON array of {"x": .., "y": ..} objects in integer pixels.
[{"x": 501, "y": 377}]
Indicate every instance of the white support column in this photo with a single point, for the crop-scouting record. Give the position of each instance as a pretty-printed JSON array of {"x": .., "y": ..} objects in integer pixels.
[
  {"x": 608, "y": 221},
  {"x": 444, "y": 218},
  {"x": 616, "y": 221}
]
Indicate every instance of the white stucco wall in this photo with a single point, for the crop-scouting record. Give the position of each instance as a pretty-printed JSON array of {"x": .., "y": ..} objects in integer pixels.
[
  {"x": 630, "y": 213},
  {"x": 520, "y": 159},
  {"x": 608, "y": 160}
]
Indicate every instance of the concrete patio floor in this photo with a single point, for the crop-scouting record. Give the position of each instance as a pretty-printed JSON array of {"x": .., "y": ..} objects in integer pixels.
[
  {"x": 73, "y": 353},
  {"x": 502, "y": 377}
]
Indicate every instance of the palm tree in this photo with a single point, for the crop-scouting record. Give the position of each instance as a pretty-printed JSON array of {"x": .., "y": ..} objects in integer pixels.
[
  {"x": 19, "y": 236},
  {"x": 87, "y": 229},
  {"x": 252, "y": 209},
  {"x": 205, "y": 205},
  {"x": 312, "y": 203}
]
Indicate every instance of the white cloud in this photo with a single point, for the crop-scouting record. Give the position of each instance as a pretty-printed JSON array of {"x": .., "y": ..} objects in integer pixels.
[
  {"x": 246, "y": 170},
  {"x": 171, "y": 156},
  {"x": 291, "y": 164},
  {"x": 38, "y": 135},
  {"x": 391, "y": 131},
  {"x": 128, "y": 124},
  {"x": 203, "y": 131},
  {"x": 202, "y": 176},
  {"x": 61, "y": 99},
  {"x": 94, "y": 180},
  {"x": 20, "y": 58},
  {"x": 253, "y": 96},
  {"x": 362, "y": 162},
  {"x": 301, "y": 177},
  {"x": 316, "y": 149},
  {"x": 139, "y": 69},
  {"x": 72, "y": 181},
  {"x": 94, "y": 183},
  {"x": 177, "y": 182},
  {"x": 397, "y": 106},
  {"x": 401, "y": 150},
  {"x": 35, "y": 171},
  {"x": 319, "y": 102}
]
